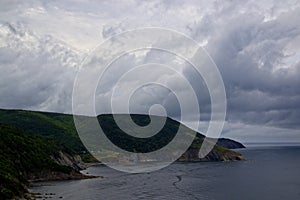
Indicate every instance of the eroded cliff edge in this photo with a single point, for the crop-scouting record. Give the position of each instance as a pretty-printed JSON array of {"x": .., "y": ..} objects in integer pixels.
[{"x": 39, "y": 146}]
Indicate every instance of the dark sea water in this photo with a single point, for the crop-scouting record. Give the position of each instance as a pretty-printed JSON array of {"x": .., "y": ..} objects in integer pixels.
[{"x": 268, "y": 173}]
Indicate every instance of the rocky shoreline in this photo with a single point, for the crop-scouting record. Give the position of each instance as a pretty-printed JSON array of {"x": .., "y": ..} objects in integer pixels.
[
  {"x": 63, "y": 159},
  {"x": 57, "y": 176},
  {"x": 40, "y": 146},
  {"x": 53, "y": 176},
  {"x": 50, "y": 176},
  {"x": 192, "y": 155}
]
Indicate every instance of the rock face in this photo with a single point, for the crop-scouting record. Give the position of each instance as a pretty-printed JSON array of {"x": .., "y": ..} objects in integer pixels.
[
  {"x": 41, "y": 146},
  {"x": 67, "y": 160},
  {"x": 217, "y": 154},
  {"x": 227, "y": 155},
  {"x": 55, "y": 175},
  {"x": 63, "y": 159},
  {"x": 220, "y": 152}
]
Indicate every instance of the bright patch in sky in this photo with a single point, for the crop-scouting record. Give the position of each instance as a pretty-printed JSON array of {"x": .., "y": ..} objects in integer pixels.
[{"x": 255, "y": 44}]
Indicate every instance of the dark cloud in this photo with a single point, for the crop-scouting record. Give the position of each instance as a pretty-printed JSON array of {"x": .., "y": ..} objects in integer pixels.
[
  {"x": 36, "y": 72},
  {"x": 262, "y": 85},
  {"x": 255, "y": 45}
]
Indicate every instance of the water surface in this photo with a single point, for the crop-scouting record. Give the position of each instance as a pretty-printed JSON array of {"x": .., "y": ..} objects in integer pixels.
[{"x": 268, "y": 173}]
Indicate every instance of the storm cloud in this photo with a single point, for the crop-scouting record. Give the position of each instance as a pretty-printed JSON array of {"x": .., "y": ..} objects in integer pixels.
[{"x": 255, "y": 44}]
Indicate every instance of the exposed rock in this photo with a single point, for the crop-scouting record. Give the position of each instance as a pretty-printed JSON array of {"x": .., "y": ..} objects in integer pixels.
[
  {"x": 53, "y": 175},
  {"x": 192, "y": 155},
  {"x": 64, "y": 159},
  {"x": 72, "y": 161}
]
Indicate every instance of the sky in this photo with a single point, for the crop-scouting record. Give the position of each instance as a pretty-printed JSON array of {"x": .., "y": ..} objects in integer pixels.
[{"x": 255, "y": 45}]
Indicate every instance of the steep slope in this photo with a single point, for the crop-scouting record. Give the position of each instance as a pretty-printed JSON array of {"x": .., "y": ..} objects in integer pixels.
[
  {"x": 163, "y": 137},
  {"x": 45, "y": 146},
  {"x": 61, "y": 129},
  {"x": 25, "y": 156},
  {"x": 52, "y": 126}
]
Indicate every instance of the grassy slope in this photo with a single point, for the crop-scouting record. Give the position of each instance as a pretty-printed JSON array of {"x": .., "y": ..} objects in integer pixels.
[
  {"x": 60, "y": 129},
  {"x": 21, "y": 154},
  {"x": 29, "y": 138},
  {"x": 55, "y": 126}
]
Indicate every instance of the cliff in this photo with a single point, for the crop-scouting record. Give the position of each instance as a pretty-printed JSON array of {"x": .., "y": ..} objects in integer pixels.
[
  {"x": 217, "y": 154},
  {"x": 26, "y": 157},
  {"x": 39, "y": 146}
]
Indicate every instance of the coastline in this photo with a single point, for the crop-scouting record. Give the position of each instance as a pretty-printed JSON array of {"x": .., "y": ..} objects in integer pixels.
[{"x": 48, "y": 176}]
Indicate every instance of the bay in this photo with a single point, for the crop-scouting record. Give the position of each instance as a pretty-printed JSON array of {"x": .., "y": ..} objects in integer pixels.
[{"x": 268, "y": 173}]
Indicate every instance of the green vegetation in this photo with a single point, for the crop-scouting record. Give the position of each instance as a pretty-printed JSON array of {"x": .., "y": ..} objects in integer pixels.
[
  {"x": 60, "y": 129},
  {"x": 31, "y": 140},
  {"x": 55, "y": 127},
  {"x": 22, "y": 154},
  {"x": 134, "y": 144},
  {"x": 28, "y": 141}
]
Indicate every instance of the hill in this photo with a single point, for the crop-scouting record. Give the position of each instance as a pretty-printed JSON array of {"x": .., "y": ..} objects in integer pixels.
[
  {"x": 25, "y": 156},
  {"x": 45, "y": 146}
]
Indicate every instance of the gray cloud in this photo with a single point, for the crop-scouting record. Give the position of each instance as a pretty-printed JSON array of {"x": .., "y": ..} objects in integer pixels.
[
  {"x": 255, "y": 44},
  {"x": 36, "y": 72},
  {"x": 262, "y": 85}
]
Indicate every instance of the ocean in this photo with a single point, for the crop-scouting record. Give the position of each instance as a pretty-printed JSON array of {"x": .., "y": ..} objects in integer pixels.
[{"x": 269, "y": 172}]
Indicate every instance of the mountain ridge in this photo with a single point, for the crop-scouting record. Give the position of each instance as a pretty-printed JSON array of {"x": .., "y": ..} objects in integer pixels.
[{"x": 54, "y": 140}]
